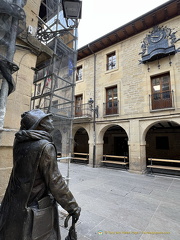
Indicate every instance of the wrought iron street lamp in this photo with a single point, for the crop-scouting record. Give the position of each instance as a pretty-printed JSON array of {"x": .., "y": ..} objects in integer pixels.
[
  {"x": 95, "y": 109},
  {"x": 72, "y": 10},
  {"x": 95, "y": 114}
]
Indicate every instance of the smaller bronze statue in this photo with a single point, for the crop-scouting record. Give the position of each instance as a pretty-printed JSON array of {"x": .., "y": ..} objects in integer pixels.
[{"x": 29, "y": 207}]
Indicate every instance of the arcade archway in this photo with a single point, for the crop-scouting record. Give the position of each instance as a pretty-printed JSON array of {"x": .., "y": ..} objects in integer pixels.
[
  {"x": 163, "y": 142},
  {"x": 115, "y": 141},
  {"x": 81, "y": 146},
  {"x": 81, "y": 141}
]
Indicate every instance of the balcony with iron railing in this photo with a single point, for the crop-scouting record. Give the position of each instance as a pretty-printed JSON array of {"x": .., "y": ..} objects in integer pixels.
[
  {"x": 82, "y": 112},
  {"x": 111, "y": 108},
  {"x": 161, "y": 101}
]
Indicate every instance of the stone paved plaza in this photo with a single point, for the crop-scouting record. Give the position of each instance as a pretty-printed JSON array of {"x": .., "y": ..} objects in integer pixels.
[{"x": 117, "y": 204}]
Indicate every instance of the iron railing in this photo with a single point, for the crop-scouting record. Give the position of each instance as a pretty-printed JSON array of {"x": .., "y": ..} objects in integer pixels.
[
  {"x": 111, "y": 107},
  {"x": 83, "y": 110},
  {"x": 161, "y": 100}
]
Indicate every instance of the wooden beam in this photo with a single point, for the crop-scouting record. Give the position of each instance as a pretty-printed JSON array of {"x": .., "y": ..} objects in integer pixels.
[
  {"x": 144, "y": 23},
  {"x": 178, "y": 7},
  {"x": 117, "y": 37},
  {"x": 170, "y": 124},
  {"x": 160, "y": 124},
  {"x": 102, "y": 44},
  {"x": 154, "y": 18},
  {"x": 109, "y": 40},
  {"x": 95, "y": 47},
  {"x": 166, "y": 16},
  {"x": 125, "y": 32},
  {"x": 134, "y": 28}
]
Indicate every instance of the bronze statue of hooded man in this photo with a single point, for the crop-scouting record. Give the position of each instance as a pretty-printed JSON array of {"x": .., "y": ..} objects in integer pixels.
[{"x": 29, "y": 208}]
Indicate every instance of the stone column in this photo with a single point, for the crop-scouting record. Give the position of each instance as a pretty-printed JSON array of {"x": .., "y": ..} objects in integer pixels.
[
  {"x": 143, "y": 156},
  {"x": 99, "y": 153},
  {"x": 136, "y": 149},
  {"x": 91, "y": 144}
]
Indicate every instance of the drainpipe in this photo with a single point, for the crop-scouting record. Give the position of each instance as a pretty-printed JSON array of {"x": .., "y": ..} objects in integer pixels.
[{"x": 94, "y": 113}]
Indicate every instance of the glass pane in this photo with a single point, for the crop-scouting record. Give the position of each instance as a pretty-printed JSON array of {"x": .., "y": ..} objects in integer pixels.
[
  {"x": 156, "y": 88},
  {"x": 166, "y": 95},
  {"x": 111, "y": 61},
  {"x": 115, "y": 104},
  {"x": 115, "y": 91},
  {"x": 79, "y": 73},
  {"x": 165, "y": 79},
  {"x": 155, "y": 81},
  {"x": 165, "y": 87},
  {"x": 110, "y": 93},
  {"x": 157, "y": 96},
  {"x": 109, "y": 105}
]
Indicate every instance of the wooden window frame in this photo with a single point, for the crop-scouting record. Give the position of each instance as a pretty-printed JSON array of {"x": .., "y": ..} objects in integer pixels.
[
  {"x": 111, "y": 61},
  {"x": 79, "y": 73},
  {"x": 161, "y": 94},
  {"x": 111, "y": 105}
]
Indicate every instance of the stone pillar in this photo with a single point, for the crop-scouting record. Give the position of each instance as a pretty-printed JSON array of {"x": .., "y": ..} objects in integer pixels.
[
  {"x": 98, "y": 153},
  {"x": 143, "y": 156},
  {"x": 91, "y": 144},
  {"x": 136, "y": 150}
]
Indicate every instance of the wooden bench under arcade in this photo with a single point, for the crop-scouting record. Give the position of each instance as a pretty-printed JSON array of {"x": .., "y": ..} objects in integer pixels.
[
  {"x": 80, "y": 157},
  {"x": 117, "y": 160},
  {"x": 153, "y": 164}
]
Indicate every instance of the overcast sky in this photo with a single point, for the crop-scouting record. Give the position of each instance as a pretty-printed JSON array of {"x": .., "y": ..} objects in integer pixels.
[{"x": 100, "y": 17}]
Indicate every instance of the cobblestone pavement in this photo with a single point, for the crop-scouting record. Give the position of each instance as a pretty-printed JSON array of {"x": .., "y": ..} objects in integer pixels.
[{"x": 120, "y": 205}]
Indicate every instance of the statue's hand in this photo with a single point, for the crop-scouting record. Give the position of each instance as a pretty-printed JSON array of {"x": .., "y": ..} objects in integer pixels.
[{"x": 75, "y": 215}]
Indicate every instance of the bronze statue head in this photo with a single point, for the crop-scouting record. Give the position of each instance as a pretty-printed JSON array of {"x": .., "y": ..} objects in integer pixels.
[{"x": 36, "y": 120}]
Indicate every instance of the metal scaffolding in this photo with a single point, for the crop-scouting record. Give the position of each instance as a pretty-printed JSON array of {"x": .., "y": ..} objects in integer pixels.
[{"x": 54, "y": 78}]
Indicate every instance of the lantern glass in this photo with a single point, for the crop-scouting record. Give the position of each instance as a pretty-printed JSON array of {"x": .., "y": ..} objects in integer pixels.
[{"x": 72, "y": 9}]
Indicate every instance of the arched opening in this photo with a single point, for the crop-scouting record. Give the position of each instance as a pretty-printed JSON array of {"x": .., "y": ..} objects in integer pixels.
[
  {"x": 57, "y": 139},
  {"x": 81, "y": 146},
  {"x": 163, "y": 147},
  {"x": 115, "y": 146}
]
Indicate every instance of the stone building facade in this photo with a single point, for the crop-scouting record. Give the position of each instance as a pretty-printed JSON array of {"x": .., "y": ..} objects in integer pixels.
[{"x": 132, "y": 74}]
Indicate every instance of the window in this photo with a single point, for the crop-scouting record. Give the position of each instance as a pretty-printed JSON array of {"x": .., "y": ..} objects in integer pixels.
[
  {"x": 111, "y": 61},
  {"x": 162, "y": 143},
  {"x": 78, "y": 105},
  {"x": 111, "y": 101},
  {"x": 79, "y": 73},
  {"x": 161, "y": 92}
]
